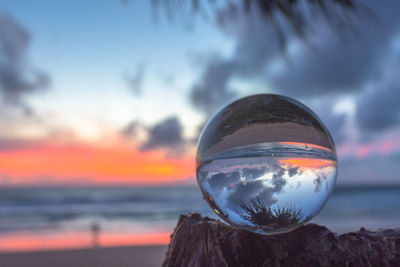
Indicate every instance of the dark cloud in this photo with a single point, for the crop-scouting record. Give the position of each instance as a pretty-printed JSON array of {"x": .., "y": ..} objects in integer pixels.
[
  {"x": 379, "y": 109},
  {"x": 130, "y": 129},
  {"x": 253, "y": 173},
  {"x": 336, "y": 66},
  {"x": 255, "y": 38},
  {"x": 241, "y": 185},
  {"x": 267, "y": 194},
  {"x": 238, "y": 190},
  {"x": 254, "y": 45},
  {"x": 322, "y": 67},
  {"x": 166, "y": 134},
  {"x": 212, "y": 91},
  {"x": 376, "y": 169},
  {"x": 219, "y": 181},
  {"x": 292, "y": 171},
  {"x": 278, "y": 181},
  {"x": 335, "y": 123},
  {"x": 17, "y": 78},
  {"x": 318, "y": 182},
  {"x": 252, "y": 188},
  {"x": 330, "y": 64},
  {"x": 136, "y": 79}
]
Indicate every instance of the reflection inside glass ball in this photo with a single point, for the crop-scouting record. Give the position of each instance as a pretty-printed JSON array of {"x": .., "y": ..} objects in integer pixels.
[{"x": 266, "y": 163}]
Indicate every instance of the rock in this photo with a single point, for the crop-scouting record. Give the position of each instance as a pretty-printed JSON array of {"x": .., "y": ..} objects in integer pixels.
[{"x": 198, "y": 241}]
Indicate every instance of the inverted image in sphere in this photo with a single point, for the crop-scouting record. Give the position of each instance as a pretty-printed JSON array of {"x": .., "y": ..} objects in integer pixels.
[{"x": 266, "y": 163}]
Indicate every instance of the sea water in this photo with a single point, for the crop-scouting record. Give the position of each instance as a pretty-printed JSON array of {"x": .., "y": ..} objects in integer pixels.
[{"x": 52, "y": 214}]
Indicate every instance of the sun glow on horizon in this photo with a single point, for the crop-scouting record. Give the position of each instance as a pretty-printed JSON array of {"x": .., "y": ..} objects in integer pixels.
[
  {"x": 79, "y": 164},
  {"x": 308, "y": 163}
]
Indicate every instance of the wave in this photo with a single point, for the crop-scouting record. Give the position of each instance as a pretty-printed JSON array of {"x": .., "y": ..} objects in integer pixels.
[{"x": 35, "y": 209}]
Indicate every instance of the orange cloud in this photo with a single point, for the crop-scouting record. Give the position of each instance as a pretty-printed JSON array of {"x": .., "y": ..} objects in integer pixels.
[
  {"x": 73, "y": 164},
  {"x": 364, "y": 150}
]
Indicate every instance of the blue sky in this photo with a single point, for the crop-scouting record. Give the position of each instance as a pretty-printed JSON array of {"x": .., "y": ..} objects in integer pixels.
[{"x": 89, "y": 49}]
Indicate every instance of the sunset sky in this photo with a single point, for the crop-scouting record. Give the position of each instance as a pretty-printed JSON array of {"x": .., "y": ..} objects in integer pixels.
[{"x": 116, "y": 92}]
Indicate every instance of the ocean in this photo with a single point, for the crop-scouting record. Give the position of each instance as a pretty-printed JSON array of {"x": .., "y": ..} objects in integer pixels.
[{"x": 59, "y": 218}]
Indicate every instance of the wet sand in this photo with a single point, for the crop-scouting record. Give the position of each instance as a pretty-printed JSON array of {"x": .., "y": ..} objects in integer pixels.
[
  {"x": 141, "y": 256},
  {"x": 273, "y": 132}
]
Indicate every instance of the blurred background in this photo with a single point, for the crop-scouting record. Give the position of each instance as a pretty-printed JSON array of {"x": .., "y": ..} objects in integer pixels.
[{"x": 102, "y": 103}]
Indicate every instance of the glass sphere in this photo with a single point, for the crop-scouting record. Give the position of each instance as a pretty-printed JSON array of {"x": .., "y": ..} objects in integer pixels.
[{"x": 266, "y": 163}]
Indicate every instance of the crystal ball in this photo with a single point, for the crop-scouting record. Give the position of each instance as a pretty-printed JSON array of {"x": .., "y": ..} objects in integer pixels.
[{"x": 266, "y": 163}]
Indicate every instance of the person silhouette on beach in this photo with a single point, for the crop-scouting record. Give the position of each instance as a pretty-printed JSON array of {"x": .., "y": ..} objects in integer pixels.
[{"x": 95, "y": 229}]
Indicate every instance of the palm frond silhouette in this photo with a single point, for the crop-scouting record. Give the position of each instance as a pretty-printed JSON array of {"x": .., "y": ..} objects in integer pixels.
[
  {"x": 338, "y": 13},
  {"x": 263, "y": 216}
]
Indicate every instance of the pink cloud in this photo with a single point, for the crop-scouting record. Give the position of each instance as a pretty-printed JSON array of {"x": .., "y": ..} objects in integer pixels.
[{"x": 363, "y": 150}]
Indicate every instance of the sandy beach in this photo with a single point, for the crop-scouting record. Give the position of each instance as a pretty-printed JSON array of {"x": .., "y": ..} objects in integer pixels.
[
  {"x": 273, "y": 132},
  {"x": 141, "y": 256}
]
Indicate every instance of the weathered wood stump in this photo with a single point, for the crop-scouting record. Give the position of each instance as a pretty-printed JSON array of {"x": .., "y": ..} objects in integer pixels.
[{"x": 199, "y": 241}]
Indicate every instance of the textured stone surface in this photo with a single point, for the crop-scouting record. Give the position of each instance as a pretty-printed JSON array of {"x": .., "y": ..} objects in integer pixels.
[{"x": 199, "y": 241}]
